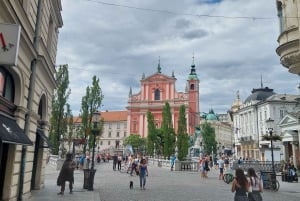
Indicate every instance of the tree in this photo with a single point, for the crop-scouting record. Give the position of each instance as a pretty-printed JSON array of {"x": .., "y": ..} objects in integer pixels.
[
  {"x": 90, "y": 103},
  {"x": 135, "y": 141},
  {"x": 59, "y": 102},
  {"x": 209, "y": 138},
  {"x": 152, "y": 133},
  {"x": 168, "y": 132},
  {"x": 182, "y": 136},
  {"x": 69, "y": 117}
]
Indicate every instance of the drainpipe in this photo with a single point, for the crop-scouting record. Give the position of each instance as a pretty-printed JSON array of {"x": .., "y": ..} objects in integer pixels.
[{"x": 32, "y": 80}]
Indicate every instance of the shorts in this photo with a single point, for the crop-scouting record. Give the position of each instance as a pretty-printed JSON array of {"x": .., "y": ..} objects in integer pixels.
[{"x": 221, "y": 170}]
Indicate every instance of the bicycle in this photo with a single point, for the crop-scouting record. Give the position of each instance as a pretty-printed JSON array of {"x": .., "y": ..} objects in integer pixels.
[{"x": 270, "y": 182}]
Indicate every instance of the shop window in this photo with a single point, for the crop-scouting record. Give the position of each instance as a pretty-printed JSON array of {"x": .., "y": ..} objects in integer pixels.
[{"x": 7, "y": 88}]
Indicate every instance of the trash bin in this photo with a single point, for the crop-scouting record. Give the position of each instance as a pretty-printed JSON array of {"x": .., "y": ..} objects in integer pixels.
[
  {"x": 88, "y": 179},
  {"x": 159, "y": 164},
  {"x": 267, "y": 177},
  {"x": 86, "y": 176},
  {"x": 284, "y": 176}
]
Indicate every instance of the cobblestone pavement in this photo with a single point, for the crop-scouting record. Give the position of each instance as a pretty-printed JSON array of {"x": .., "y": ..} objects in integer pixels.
[{"x": 165, "y": 185}]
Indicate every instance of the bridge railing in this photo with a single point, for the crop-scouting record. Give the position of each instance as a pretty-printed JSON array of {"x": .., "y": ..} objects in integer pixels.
[{"x": 258, "y": 165}]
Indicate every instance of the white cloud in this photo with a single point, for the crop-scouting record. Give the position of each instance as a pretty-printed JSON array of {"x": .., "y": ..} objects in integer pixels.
[{"x": 118, "y": 44}]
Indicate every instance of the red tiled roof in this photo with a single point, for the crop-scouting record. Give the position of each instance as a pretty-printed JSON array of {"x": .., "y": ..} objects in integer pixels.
[
  {"x": 107, "y": 116},
  {"x": 114, "y": 115}
]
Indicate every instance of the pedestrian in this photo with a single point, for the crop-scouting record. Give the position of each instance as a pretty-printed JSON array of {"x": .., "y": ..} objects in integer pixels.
[
  {"x": 221, "y": 168},
  {"x": 66, "y": 174},
  {"x": 256, "y": 186},
  {"x": 173, "y": 158},
  {"x": 119, "y": 162},
  {"x": 240, "y": 186},
  {"x": 115, "y": 161},
  {"x": 143, "y": 173}
]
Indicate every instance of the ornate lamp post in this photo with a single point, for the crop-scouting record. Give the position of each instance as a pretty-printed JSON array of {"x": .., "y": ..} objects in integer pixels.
[
  {"x": 270, "y": 124},
  {"x": 95, "y": 132}
]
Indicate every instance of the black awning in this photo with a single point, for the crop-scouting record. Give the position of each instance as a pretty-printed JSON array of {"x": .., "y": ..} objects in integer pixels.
[
  {"x": 11, "y": 133},
  {"x": 45, "y": 139}
]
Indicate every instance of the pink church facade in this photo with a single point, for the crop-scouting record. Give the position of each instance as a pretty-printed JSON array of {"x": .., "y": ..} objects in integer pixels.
[{"x": 155, "y": 91}]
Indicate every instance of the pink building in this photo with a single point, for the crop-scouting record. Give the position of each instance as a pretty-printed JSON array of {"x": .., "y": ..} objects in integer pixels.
[{"x": 156, "y": 90}]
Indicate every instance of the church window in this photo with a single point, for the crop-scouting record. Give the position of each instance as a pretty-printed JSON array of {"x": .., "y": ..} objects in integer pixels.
[
  {"x": 192, "y": 87},
  {"x": 157, "y": 94}
]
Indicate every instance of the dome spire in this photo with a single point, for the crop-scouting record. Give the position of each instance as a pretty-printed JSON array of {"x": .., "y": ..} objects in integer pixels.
[{"x": 193, "y": 74}]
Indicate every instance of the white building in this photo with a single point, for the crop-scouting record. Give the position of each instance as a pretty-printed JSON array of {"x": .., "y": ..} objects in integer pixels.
[{"x": 249, "y": 123}]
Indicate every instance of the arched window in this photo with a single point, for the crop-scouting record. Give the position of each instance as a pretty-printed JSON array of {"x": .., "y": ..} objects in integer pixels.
[
  {"x": 7, "y": 87},
  {"x": 192, "y": 87},
  {"x": 157, "y": 94}
]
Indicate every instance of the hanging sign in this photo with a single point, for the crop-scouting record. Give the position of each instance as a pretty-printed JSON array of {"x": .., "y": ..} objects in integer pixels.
[{"x": 9, "y": 43}]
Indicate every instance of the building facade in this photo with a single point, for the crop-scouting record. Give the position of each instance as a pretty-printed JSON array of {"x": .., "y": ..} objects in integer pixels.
[
  {"x": 114, "y": 131},
  {"x": 26, "y": 91},
  {"x": 250, "y": 125},
  {"x": 156, "y": 90},
  {"x": 289, "y": 34},
  {"x": 223, "y": 130},
  {"x": 112, "y": 137}
]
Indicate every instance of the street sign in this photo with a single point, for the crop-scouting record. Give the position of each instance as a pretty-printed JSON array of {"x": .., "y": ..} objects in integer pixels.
[{"x": 9, "y": 43}]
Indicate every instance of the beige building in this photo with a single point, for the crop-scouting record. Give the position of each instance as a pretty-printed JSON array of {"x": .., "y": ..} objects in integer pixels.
[
  {"x": 114, "y": 131},
  {"x": 289, "y": 52},
  {"x": 26, "y": 90},
  {"x": 113, "y": 134},
  {"x": 223, "y": 129},
  {"x": 289, "y": 47}
]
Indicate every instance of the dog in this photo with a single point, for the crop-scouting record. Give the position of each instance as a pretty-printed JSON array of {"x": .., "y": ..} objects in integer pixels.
[{"x": 131, "y": 184}]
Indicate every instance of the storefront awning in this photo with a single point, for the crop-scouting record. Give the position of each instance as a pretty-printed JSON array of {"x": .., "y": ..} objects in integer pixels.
[
  {"x": 45, "y": 139},
  {"x": 11, "y": 133}
]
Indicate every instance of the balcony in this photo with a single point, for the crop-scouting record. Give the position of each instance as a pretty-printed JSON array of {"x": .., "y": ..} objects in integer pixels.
[{"x": 288, "y": 49}]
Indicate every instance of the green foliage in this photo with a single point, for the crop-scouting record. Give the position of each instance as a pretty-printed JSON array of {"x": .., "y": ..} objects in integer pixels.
[
  {"x": 168, "y": 132},
  {"x": 59, "y": 116},
  {"x": 182, "y": 136},
  {"x": 135, "y": 141},
  {"x": 209, "y": 138},
  {"x": 90, "y": 103},
  {"x": 151, "y": 138},
  {"x": 273, "y": 137}
]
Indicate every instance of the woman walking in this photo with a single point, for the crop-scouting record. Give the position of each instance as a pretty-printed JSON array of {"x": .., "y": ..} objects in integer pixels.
[
  {"x": 240, "y": 186},
  {"x": 143, "y": 172},
  {"x": 256, "y": 186}
]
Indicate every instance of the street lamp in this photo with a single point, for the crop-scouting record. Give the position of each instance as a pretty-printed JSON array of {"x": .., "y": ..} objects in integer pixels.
[
  {"x": 95, "y": 132},
  {"x": 270, "y": 124}
]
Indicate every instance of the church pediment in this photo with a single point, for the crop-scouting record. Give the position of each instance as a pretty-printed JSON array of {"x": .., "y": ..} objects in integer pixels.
[{"x": 158, "y": 77}]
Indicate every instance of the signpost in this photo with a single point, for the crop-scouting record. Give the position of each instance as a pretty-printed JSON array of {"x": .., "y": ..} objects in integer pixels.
[{"x": 9, "y": 43}]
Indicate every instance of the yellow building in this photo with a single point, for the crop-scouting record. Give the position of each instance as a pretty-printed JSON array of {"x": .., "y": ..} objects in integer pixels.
[{"x": 29, "y": 30}]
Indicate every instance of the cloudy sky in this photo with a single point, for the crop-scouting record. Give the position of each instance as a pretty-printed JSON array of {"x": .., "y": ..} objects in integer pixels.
[{"x": 233, "y": 42}]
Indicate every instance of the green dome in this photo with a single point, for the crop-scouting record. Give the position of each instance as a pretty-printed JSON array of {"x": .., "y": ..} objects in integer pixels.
[{"x": 211, "y": 115}]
